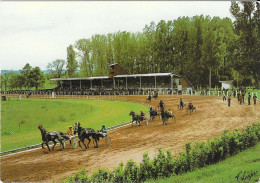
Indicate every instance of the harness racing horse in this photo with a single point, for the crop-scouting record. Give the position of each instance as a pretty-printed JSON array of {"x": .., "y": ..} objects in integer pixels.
[
  {"x": 153, "y": 114},
  {"x": 190, "y": 109},
  {"x": 135, "y": 118},
  {"x": 149, "y": 98},
  {"x": 86, "y": 133},
  {"x": 52, "y": 136},
  {"x": 181, "y": 106},
  {"x": 155, "y": 96},
  {"x": 165, "y": 116},
  {"x": 161, "y": 105}
]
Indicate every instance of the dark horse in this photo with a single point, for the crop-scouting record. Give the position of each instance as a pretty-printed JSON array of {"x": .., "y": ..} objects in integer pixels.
[
  {"x": 190, "y": 109},
  {"x": 135, "y": 117},
  {"x": 52, "y": 136},
  {"x": 153, "y": 113},
  {"x": 86, "y": 133},
  {"x": 155, "y": 96},
  {"x": 166, "y": 115},
  {"x": 149, "y": 98}
]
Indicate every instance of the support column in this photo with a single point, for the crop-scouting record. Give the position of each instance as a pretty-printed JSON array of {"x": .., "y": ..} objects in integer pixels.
[
  {"x": 171, "y": 82},
  {"x": 154, "y": 81},
  {"x": 114, "y": 83},
  {"x": 101, "y": 83},
  {"x": 80, "y": 84},
  {"x": 140, "y": 82},
  {"x": 126, "y": 82},
  {"x": 70, "y": 84},
  {"x": 91, "y": 84}
]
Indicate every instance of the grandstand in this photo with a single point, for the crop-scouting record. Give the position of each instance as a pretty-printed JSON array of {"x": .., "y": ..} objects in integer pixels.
[{"x": 119, "y": 80}]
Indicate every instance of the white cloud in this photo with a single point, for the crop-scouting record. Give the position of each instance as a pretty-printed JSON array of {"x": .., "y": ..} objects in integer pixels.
[{"x": 39, "y": 32}]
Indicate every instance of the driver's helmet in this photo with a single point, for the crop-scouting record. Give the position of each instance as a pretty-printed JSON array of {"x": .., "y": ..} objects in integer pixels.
[{"x": 103, "y": 125}]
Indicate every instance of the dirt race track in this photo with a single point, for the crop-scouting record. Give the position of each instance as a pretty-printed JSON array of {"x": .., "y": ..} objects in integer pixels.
[{"x": 212, "y": 117}]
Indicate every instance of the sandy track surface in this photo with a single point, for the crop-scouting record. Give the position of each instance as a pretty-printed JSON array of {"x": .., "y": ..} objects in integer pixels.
[{"x": 130, "y": 142}]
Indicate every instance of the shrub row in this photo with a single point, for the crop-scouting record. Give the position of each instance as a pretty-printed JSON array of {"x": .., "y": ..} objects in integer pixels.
[{"x": 164, "y": 165}]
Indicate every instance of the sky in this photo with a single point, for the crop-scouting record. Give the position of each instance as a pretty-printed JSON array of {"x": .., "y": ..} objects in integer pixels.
[{"x": 40, "y": 32}]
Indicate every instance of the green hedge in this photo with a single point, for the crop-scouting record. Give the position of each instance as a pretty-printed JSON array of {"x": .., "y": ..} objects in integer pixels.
[{"x": 164, "y": 165}]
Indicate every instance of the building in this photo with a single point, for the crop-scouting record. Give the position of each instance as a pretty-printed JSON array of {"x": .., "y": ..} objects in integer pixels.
[
  {"x": 226, "y": 84},
  {"x": 119, "y": 79}
]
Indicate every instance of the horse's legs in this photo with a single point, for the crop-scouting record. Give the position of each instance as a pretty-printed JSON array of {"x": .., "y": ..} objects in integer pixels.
[
  {"x": 89, "y": 140},
  {"x": 61, "y": 143},
  {"x": 80, "y": 144},
  {"x": 82, "y": 140},
  {"x": 42, "y": 145},
  {"x": 96, "y": 142},
  {"x": 47, "y": 145},
  {"x": 54, "y": 144}
]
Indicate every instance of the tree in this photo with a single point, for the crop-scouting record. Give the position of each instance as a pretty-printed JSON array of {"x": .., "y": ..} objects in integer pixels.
[
  {"x": 72, "y": 63},
  {"x": 20, "y": 81},
  {"x": 84, "y": 49},
  {"x": 13, "y": 81},
  {"x": 5, "y": 80},
  {"x": 26, "y": 72},
  {"x": 56, "y": 68},
  {"x": 247, "y": 25},
  {"x": 36, "y": 78}
]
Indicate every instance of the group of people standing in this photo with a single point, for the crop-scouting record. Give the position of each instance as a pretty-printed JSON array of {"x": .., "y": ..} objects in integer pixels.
[{"x": 241, "y": 98}]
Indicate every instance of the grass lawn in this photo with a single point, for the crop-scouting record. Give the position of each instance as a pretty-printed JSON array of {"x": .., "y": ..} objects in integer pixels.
[
  {"x": 246, "y": 163},
  {"x": 20, "y": 119}
]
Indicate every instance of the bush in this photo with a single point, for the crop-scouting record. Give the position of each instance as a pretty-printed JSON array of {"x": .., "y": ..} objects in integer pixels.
[
  {"x": 145, "y": 168},
  {"x": 101, "y": 175},
  {"x": 118, "y": 173},
  {"x": 80, "y": 177},
  {"x": 131, "y": 171}
]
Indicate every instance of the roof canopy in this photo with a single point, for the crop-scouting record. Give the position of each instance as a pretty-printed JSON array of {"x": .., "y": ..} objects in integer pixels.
[
  {"x": 84, "y": 78},
  {"x": 146, "y": 75},
  {"x": 227, "y": 82},
  {"x": 117, "y": 76}
]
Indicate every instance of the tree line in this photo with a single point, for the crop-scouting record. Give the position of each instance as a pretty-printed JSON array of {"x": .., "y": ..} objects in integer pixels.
[
  {"x": 204, "y": 49},
  {"x": 27, "y": 78}
]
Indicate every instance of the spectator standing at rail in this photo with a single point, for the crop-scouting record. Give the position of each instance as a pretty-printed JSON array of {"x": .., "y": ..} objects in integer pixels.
[
  {"x": 229, "y": 100},
  {"x": 243, "y": 97},
  {"x": 224, "y": 97},
  {"x": 249, "y": 98},
  {"x": 240, "y": 99},
  {"x": 238, "y": 96},
  {"x": 254, "y": 99}
]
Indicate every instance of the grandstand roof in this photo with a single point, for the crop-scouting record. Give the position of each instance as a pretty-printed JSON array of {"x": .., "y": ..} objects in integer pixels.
[
  {"x": 84, "y": 78},
  {"x": 117, "y": 76},
  {"x": 146, "y": 75}
]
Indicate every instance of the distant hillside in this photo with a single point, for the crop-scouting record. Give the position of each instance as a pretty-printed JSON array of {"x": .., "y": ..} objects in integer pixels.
[{"x": 17, "y": 71}]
